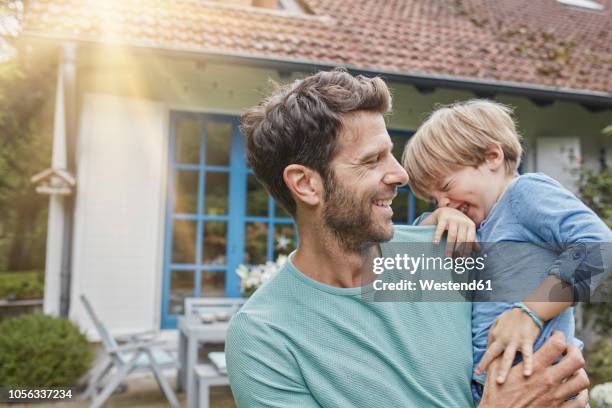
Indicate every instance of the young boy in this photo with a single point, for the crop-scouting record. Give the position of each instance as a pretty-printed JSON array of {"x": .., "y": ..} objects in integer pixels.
[{"x": 466, "y": 156}]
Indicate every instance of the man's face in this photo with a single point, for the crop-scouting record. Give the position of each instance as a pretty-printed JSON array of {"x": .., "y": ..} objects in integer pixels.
[{"x": 363, "y": 182}]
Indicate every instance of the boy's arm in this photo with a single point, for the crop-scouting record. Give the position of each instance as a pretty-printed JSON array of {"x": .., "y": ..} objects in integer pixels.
[
  {"x": 554, "y": 215},
  {"x": 561, "y": 297}
]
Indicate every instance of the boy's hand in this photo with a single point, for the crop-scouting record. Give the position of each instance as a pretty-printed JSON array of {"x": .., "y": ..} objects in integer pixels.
[
  {"x": 512, "y": 331},
  {"x": 461, "y": 230}
]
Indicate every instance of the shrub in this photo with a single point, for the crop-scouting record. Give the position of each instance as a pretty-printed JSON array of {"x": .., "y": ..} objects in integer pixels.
[
  {"x": 21, "y": 285},
  {"x": 42, "y": 351},
  {"x": 599, "y": 362}
]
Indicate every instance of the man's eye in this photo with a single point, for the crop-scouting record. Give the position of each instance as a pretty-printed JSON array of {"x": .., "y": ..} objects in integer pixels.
[{"x": 373, "y": 160}]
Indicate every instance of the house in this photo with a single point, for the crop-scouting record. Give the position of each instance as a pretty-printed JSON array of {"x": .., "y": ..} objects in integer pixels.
[{"x": 147, "y": 112}]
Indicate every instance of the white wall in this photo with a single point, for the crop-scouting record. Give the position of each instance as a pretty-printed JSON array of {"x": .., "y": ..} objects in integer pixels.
[
  {"x": 559, "y": 157},
  {"x": 118, "y": 241}
]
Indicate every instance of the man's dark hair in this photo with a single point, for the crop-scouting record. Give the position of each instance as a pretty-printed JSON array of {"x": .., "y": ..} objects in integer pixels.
[{"x": 300, "y": 123}]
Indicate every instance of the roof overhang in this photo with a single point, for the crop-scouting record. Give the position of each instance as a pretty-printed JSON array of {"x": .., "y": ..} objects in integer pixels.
[{"x": 541, "y": 95}]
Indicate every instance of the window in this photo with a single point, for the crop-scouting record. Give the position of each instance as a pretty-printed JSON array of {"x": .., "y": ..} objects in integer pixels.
[{"x": 219, "y": 216}]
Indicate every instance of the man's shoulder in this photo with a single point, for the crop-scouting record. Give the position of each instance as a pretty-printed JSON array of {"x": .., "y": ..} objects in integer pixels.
[
  {"x": 413, "y": 233},
  {"x": 266, "y": 303}
]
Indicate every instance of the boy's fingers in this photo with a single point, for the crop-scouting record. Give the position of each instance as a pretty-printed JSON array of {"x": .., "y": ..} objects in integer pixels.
[
  {"x": 451, "y": 238},
  {"x": 471, "y": 238},
  {"x": 440, "y": 228},
  {"x": 467, "y": 242},
  {"x": 506, "y": 363},
  {"x": 476, "y": 245},
  {"x": 493, "y": 351},
  {"x": 527, "y": 352},
  {"x": 461, "y": 241}
]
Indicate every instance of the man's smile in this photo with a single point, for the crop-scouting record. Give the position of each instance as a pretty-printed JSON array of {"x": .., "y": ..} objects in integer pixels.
[{"x": 384, "y": 205}]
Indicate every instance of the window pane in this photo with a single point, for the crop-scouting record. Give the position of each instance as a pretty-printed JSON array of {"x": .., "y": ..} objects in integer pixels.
[
  {"x": 186, "y": 192},
  {"x": 257, "y": 197},
  {"x": 181, "y": 287},
  {"x": 284, "y": 239},
  {"x": 256, "y": 242},
  {"x": 400, "y": 207},
  {"x": 398, "y": 146},
  {"x": 183, "y": 241},
  {"x": 218, "y": 143},
  {"x": 281, "y": 212},
  {"x": 214, "y": 243},
  {"x": 422, "y": 206},
  {"x": 213, "y": 284},
  {"x": 187, "y": 142},
  {"x": 216, "y": 190}
]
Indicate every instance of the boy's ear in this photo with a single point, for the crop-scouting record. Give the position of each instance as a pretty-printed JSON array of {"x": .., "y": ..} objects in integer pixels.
[
  {"x": 494, "y": 157},
  {"x": 305, "y": 184}
]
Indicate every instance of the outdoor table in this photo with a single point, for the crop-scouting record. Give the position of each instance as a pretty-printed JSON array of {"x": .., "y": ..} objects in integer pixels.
[{"x": 192, "y": 333}]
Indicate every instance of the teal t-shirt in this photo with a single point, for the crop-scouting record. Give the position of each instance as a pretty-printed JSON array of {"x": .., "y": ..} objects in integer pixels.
[{"x": 300, "y": 343}]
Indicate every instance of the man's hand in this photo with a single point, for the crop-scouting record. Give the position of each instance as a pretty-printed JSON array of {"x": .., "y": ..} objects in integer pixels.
[
  {"x": 461, "y": 230},
  {"x": 549, "y": 386}
]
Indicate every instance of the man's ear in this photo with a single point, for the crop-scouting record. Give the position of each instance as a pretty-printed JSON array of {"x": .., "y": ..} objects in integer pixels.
[
  {"x": 305, "y": 184},
  {"x": 494, "y": 157}
]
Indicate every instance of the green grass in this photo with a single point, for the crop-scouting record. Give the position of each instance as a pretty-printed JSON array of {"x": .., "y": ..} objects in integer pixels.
[{"x": 19, "y": 285}]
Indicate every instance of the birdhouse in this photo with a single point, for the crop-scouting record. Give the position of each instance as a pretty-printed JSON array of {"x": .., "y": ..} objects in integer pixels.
[{"x": 54, "y": 181}]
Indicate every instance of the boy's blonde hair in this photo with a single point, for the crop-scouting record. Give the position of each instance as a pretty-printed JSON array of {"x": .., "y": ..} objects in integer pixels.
[{"x": 459, "y": 135}]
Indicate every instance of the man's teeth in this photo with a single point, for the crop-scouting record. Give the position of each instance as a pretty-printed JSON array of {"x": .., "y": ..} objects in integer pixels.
[
  {"x": 463, "y": 209},
  {"x": 383, "y": 203}
]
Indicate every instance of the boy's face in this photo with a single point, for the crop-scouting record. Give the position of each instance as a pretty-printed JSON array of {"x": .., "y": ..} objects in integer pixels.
[{"x": 472, "y": 190}]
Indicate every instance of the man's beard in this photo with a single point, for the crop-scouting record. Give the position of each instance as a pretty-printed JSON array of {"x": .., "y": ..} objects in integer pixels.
[{"x": 349, "y": 219}]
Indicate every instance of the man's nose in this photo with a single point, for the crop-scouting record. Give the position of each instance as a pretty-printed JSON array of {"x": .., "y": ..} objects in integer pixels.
[{"x": 396, "y": 175}]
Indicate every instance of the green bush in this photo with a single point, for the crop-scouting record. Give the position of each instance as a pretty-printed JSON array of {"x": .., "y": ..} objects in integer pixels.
[
  {"x": 42, "y": 351},
  {"x": 599, "y": 362},
  {"x": 21, "y": 285}
]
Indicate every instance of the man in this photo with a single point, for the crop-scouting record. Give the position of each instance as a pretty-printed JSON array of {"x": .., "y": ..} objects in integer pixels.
[{"x": 308, "y": 338}]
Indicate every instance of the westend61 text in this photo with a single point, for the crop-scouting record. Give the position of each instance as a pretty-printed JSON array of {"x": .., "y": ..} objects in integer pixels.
[{"x": 431, "y": 285}]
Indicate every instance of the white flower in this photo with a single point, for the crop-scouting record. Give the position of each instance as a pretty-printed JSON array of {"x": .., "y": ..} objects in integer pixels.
[
  {"x": 252, "y": 278},
  {"x": 602, "y": 395}
]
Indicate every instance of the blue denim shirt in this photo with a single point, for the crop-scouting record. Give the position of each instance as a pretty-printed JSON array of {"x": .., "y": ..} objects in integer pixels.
[{"x": 560, "y": 235}]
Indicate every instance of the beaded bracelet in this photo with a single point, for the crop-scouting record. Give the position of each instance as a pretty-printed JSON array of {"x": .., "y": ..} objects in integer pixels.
[{"x": 536, "y": 319}]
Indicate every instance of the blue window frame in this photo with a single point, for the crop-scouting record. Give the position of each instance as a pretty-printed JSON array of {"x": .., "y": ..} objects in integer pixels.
[
  {"x": 218, "y": 216},
  {"x": 406, "y": 207}
]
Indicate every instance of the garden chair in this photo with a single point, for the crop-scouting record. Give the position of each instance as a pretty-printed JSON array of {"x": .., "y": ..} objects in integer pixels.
[
  {"x": 199, "y": 306},
  {"x": 139, "y": 352}
]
